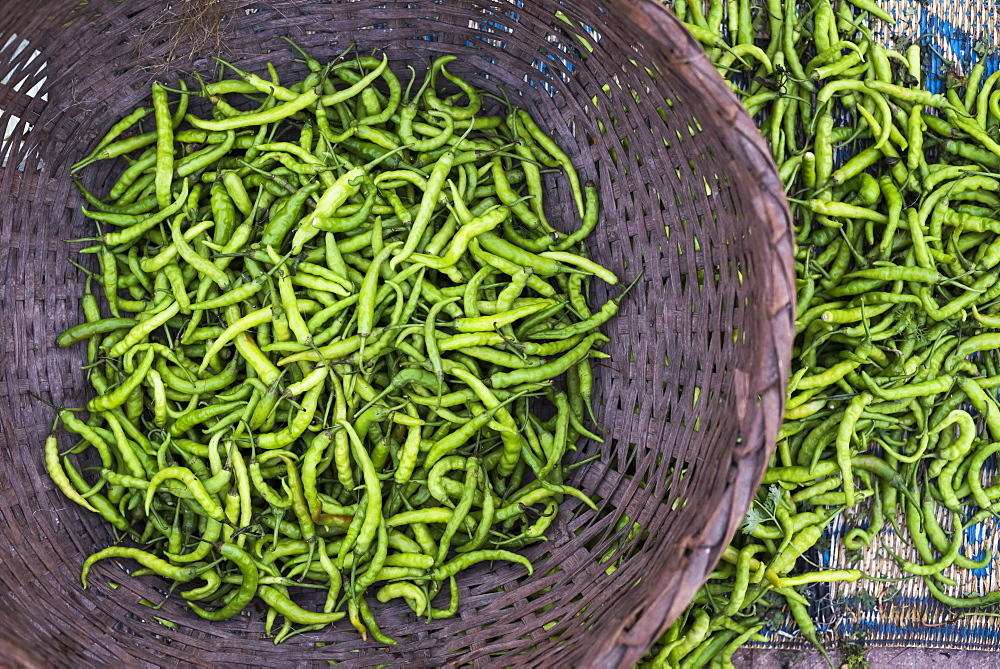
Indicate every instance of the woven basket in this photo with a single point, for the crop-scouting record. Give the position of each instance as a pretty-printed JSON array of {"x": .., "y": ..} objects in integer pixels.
[{"x": 692, "y": 397}]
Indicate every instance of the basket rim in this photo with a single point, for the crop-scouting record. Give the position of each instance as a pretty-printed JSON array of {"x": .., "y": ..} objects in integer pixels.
[{"x": 750, "y": 461}]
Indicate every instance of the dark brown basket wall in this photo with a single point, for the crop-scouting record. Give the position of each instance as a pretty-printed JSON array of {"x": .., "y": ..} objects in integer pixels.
[{"x": 692, "y": 397}]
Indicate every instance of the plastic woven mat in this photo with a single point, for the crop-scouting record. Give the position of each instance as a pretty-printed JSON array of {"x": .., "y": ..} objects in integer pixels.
[{"x": 955, "y": 34}]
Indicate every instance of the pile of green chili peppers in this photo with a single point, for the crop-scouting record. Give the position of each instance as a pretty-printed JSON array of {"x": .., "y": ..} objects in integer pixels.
[
  {"x": 340, "y": 346},
  {"x": 892, "y": 409}
]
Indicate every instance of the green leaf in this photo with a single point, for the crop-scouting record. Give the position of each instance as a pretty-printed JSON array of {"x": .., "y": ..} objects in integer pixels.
[{"x": 753, "y": 519}]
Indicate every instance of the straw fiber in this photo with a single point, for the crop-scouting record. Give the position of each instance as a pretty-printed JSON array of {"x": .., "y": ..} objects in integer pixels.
[{"x": 691, "y": 398}]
